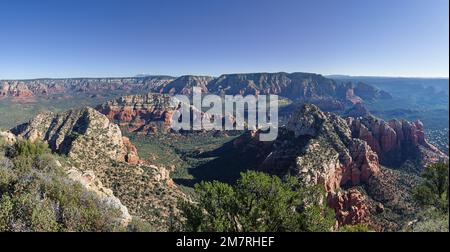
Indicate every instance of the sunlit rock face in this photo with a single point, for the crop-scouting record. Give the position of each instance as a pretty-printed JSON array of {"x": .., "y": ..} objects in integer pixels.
[
  {"x": 106, "y": 163},
  {"x": 44, "y": 87},
  {"x": 318, "y": 148},
  {"x": 395, "y": 141},
  {"x": 142, "y": 113},
  {"x": 81, "y": 133}
]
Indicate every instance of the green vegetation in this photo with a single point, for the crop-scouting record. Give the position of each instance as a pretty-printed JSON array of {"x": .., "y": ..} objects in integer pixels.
[
  {"x": 434, "y": 191},
  {"x": 193, "y": 157},
  {"x": 432, "y": 196},
  {"x": 36, "y": 195},
  {"x": 28, "y": 149},
  {"x": 359, "y": 228},
  {"x": 257, "y": 203},
  {"x": 139, "y": 225}
]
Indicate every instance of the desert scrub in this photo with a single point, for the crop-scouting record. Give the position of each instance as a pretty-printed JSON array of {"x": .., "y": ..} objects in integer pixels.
[
  {"x": 139, "y": 225},
  {"x": 432, "y": 195},
  {"x": 257, "y": 203},
  {"x": 2, "y": 143},
  {"x": 358, "y": 228},
  {"x": 434, "y": 190},
  {"x": 37, "y": 195},
  {"x": 26, "y": 148},
  {"x": 430, "y": 220}
]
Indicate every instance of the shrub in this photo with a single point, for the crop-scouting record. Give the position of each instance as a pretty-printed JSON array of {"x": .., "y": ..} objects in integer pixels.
[
  {"x": 257, "y": 203},
  {"x": 355, "y": 228},
  {"x": 6, "y": 178},
  {"x": 38, "y": 196},
  {"x": 43, "y": 217},
  {"x": 139, "y": 225},
  {"x": 434, "y": 190},
  {"x": 6, "y": 208},
  {"x": 2, "y": 144},
  {"x": 431, "y": 220},
  {"x": 27, "y": 148}
]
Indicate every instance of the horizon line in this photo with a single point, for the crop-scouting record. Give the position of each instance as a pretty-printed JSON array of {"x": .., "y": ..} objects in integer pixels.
[{"x": 214, "y": 76}]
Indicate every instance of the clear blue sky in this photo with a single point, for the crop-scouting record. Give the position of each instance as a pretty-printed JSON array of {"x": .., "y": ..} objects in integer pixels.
[{"x": 69, "y": 38}]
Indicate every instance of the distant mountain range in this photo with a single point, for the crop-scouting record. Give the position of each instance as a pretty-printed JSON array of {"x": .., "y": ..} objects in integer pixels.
[
  {"x": 309, "y": 87},
  {"x": 368, "y": 166}
]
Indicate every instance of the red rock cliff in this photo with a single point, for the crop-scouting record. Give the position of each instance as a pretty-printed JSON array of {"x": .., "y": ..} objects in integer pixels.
[{"x": 395, "y": 141}]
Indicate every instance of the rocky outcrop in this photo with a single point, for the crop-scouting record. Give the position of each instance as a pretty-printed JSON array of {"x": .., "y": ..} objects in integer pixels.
[
  {"x": 132, "y": 156},
  {"x": 395, "y": 141},
  {"x": 318, "y": 148},
  {"x": 80, "y": 134},
  {"x": 105, "y": 162},
  {"x": 351, "y": 206},
  {"x": 369, "y": 93},
  {"x": 141, "y": 113},
  {"x": 90, "y": 182},
  {"x": 151, "y": 113},
  {"x": 7, "y": 137}
]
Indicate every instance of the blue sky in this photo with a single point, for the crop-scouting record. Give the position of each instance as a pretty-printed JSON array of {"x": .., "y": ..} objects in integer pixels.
[{"x": 78, "y": 38}]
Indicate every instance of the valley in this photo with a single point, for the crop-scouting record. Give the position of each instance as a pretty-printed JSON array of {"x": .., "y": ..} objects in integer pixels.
[{"x": 364, "y": 145}]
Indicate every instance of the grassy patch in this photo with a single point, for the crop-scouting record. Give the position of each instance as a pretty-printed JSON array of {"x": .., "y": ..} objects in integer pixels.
[{"x": 193, "y": 157}]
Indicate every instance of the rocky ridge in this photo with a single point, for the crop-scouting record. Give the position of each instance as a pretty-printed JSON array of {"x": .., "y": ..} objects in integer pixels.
[
  {"x": 150, "y": 113},
  {"x": 75, "y": 132},
  {"x": 317, "y": 148},
  {"x": 141, "y": 113},
  {"x": 324, "y": 150},
  {"x": 294, "y": 86},
  {"x": 313, "y": 88},
  {"x": 341, "y": 154},
  {"x": 44, "y": 87},
  {"x": 88, "y": 181},
  {"x": 103, "y": 160},
  {"x": 396, "y": 141},
  {"x": 184, "y": 84}
]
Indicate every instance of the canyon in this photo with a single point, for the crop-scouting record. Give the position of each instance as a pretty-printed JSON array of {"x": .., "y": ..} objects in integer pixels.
[{"x": 328, "y": 139}]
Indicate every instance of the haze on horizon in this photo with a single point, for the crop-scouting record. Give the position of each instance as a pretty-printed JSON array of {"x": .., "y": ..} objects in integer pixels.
[{"x": 63, "y": 39}]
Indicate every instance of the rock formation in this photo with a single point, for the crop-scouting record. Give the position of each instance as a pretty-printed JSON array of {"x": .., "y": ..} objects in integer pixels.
[
  {"x": 80, "y": 134},
  {"x": 184, "y": 84},
  {"x": 141, "y": 113},
  {"x": 15, "y": 89},
  {"x": 318, "y": 148},
  {"x": 395, "y": 141},
  {"x": 350, "y": 206},
  {"x": 313, "y": 88},
  {"x": 358, "y": 110},
  {"x": 8, "y": 137},
  {"x": 105, "y": 162},
  {"x": 296, "y": 86},
  {"x": 150, "y": 113},
  {"x": 88, "y": 181},
  {"x": 44, "y": 87}
]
